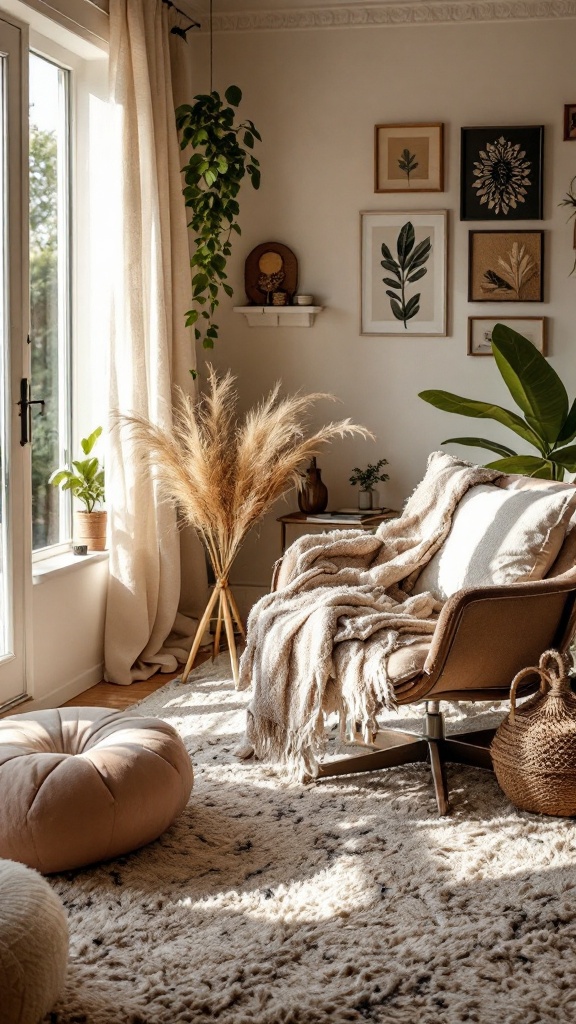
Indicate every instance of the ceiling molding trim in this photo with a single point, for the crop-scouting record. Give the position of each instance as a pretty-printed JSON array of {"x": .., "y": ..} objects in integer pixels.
[
  {"x": 389, "y": 14},
  {"x": 81, "y": 17}
]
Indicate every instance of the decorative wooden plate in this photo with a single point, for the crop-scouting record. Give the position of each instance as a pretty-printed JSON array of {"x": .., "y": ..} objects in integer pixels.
[{"x": 270, "y": 267}]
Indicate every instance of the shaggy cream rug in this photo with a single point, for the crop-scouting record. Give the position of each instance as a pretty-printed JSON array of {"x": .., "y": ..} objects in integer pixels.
[{"x": 346, "y": 900}]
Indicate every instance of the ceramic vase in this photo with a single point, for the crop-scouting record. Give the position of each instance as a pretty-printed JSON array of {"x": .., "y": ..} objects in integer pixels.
[{"x": 313, "y": 497}]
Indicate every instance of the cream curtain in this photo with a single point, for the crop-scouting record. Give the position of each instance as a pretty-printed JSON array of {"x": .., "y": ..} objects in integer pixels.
[{"x": 151, "y": 350}]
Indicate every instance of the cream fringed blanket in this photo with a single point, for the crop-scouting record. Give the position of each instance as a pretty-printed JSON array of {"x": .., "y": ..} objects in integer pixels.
[{"x": 341, "y": 604}]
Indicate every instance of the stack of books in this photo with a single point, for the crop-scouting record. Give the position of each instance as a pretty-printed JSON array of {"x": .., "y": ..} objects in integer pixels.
[{"x": 352, "y": 515}]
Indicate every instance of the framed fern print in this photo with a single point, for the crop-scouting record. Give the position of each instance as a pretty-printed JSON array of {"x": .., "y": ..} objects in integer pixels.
[
  {"x": 409, "y": 158},
  {"x": 403, "y": 272},
  {"x": 501, "y": 173},
  {"x": 506, "y": 266}
]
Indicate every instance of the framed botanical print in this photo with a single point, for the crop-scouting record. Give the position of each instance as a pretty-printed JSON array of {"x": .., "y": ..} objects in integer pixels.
[
  {"x": 403, "y": 272},
  {"x": 409, "y": 158},
  {"x": 501, "y": 173},
  {"x": 505, "y": 266},
  {"x": 480, "y": 332}
]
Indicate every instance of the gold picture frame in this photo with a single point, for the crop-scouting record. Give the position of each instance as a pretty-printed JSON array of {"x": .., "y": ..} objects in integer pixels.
[
  {"x": 409, "y": 158},
  {"x": 480, "y": 328}
]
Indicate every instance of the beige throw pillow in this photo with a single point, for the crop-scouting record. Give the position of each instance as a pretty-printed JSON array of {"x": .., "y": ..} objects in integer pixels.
[{"x": 499, "y": 536}]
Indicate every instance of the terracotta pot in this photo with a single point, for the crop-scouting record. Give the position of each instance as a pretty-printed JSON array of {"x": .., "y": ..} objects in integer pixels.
[{"x": 90, "y": 529}]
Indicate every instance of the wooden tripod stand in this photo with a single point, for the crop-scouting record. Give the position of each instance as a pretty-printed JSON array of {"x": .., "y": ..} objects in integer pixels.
[{"x": 228, "y": 614}]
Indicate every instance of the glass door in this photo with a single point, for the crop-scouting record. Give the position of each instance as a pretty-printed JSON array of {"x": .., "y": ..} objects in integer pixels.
[{"x": 14, "y": 457}]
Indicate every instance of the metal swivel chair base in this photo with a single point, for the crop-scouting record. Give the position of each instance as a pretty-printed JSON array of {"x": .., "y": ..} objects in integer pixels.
[{"x": 394, "y": 748}]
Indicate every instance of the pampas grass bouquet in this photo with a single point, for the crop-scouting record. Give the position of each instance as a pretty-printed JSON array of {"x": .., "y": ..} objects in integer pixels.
[{"x": 223, "y": 475}]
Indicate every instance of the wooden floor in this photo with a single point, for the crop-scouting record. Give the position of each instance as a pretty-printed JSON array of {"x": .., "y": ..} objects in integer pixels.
[{"x": 109, "y": 695}]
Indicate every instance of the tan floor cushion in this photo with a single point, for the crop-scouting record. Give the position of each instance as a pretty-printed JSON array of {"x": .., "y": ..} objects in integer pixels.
[{"x": 81, "y": 785}]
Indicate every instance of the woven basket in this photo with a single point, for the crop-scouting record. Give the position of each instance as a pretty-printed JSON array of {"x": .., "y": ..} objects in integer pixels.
[
  {"x": 534, "y": 749},
  {"x": 90, "y": 529}
]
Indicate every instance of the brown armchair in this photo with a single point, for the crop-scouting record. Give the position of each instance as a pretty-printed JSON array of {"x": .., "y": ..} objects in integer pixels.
[{"x": 483, "y": 637}]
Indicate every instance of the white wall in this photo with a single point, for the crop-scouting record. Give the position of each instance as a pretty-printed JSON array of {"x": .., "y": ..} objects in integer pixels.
[
  {"x": 316, "y": 96},
  {"x": 68, "y": 616}
]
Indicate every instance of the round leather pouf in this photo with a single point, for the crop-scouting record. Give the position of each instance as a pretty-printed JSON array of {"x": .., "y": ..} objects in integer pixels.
[
  {"x": 81, "y": 785},
  {"x": 33, "y": 945}
]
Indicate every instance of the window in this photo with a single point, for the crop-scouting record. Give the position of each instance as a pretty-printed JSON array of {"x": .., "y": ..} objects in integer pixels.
[{"x": 50, "y": 294}]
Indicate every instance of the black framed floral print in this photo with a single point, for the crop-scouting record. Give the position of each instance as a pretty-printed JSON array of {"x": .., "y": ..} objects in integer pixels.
[{"x": 501, "y": 173}]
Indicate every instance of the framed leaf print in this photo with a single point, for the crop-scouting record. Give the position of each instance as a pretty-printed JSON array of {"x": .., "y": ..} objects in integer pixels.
[
  {"x": 501, "y": 173},
  {"x": 506, "y": 266},
  {"x": 403, "y": 273},
  {"x": 409, "y": 158}
]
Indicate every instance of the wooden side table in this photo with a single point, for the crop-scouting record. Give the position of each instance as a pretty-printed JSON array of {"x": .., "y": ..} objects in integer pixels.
[{"x": 325, "y": 521}]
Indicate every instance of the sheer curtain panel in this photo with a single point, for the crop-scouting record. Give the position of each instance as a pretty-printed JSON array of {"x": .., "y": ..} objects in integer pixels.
[{"x": 151, "y": 350}]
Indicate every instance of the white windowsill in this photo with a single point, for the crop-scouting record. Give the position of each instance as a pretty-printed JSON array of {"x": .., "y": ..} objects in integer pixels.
[{"x": 57, "y": 565}]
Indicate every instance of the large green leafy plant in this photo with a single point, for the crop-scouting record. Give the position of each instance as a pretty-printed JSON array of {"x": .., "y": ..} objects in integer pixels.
[
  {"x": 213, "y": 176},
  {"x": 548, "y": 422}
]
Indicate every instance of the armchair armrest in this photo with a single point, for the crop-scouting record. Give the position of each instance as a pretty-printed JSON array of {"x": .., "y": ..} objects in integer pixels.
[{"x": 485, "y": 635}]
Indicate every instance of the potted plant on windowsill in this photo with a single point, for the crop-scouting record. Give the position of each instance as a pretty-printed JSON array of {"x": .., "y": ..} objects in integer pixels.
[
  {"x": 85, "y": 478},
  {"x": 368, "y": 478}
]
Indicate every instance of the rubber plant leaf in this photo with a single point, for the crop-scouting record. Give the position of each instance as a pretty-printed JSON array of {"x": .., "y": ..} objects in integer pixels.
[
  {"x": 527, "y": 465},
  {"x": 482, "y": 442},
  {"x": 568, "y": 432},
  {"x": 533, "y": 383},
  {"x": 565, "y": 457},
  {"x": 448, "y": 402}
]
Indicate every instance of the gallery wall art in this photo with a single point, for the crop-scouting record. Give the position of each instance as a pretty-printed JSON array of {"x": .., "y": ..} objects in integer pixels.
[
  {"x": 409, "y": 158},
  {"x": 506, "y": 266},
  {"x": 501, "y": 173},
  {"x": 403, "y": 272},
  {"x": 480, "y": 332}
]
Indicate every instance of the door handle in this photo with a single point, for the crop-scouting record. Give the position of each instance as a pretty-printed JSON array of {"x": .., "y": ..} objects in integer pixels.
[{"x": 26, "y": 402}]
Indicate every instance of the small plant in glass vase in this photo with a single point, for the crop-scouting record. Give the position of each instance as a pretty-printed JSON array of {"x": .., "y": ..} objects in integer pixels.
[
  {"x": 367, "y": 479},
  {"x": 85, "y": 479}
]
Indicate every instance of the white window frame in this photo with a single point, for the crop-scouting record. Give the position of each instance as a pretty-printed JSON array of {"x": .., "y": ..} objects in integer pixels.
[
  {"x": 66, "y": 305},
  {"x": 88, "y": 83}
]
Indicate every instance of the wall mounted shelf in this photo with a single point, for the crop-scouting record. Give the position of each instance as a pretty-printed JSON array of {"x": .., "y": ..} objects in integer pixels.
[{"x": 279, "y": 316}]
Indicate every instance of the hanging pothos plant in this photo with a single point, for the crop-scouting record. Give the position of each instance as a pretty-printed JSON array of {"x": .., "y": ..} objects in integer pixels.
[{"x": 213, "y": 177}]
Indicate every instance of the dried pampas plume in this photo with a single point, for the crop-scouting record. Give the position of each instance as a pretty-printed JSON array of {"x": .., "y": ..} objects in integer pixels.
[{"x": 224, "y": 475}]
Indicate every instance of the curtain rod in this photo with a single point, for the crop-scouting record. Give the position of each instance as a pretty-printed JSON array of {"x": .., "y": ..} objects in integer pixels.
[{"x": 176, "y": 30}]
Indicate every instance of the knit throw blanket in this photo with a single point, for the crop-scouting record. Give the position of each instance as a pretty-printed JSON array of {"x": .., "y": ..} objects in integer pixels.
[{"x": 341, "y": 603}]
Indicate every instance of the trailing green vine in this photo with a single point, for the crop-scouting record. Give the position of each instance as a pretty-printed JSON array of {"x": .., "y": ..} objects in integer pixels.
[{"x": 213, "y": 176}]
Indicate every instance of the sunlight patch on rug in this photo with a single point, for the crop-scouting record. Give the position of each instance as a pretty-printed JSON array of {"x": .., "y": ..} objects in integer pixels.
[{"x": 344, "y": 901}]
